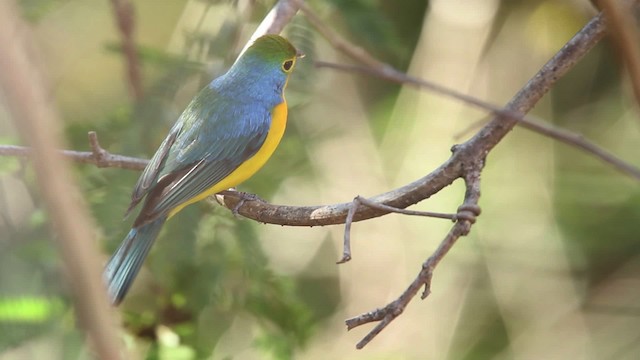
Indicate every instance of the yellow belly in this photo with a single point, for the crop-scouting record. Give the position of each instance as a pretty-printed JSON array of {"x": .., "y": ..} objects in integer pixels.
[{"x": 251, "y": 166}]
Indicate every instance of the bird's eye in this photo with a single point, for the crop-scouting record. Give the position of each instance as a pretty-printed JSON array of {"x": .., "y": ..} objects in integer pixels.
[{"x": 287, "y": 65}]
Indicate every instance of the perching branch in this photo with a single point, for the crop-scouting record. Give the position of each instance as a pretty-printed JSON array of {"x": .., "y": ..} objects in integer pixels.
[
  {"x": 467, "y": 160},
  {"x": 411, "y": 193}
]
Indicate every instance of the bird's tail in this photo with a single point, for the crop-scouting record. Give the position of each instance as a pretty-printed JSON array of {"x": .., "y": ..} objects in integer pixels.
[{"x": 125, "y": 263}]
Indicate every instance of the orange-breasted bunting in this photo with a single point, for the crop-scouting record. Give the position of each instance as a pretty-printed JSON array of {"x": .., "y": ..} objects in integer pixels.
[{"x": 226, "y": 134}]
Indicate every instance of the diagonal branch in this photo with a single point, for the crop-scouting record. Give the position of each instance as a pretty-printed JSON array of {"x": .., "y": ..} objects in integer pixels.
[
  {"x": 528, "y": 122},
  {"x": 417, "y": 190},
  {"x": 474, "y": 152},
  {"x": 385, "y": 71},
  {"x": 479, "y": 145}
]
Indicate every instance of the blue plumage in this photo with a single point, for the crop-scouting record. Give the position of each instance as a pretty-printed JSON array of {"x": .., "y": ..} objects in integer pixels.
[
  {"x": 127, "y": 260},
  {"x": 224, "y": 126}
]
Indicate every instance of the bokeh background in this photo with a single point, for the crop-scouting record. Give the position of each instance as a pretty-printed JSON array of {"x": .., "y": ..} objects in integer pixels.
[{"x": 550, "y": 271}]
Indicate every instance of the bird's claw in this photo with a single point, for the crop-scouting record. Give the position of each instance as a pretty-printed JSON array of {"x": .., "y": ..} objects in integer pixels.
[{"x": 244, "y": 197}]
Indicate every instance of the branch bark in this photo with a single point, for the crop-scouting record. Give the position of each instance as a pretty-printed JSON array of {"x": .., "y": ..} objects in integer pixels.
[
  {"x": 420, "y": 189},
  {"x": 468, "y": 158}
]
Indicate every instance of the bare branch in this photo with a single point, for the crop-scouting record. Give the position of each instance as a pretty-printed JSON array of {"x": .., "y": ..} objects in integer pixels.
[
  {"x": 346, "y": 246},
  {"x": 578, "y": 141},
  {"x": 473, "y": 152},
  {"x": 106, "y": 159},
  {"x": 359, "y": 200},
  {"x": 36, "y": 119},
  {"x": 333, "y": 214},
  {"x": 527, "y": 122},
  {"x": 422, "y": 188},
  {"x": 468, "y": 211},
  {"x": 391, "y": 209},
  {"x": 379, "y": 69},
  {"x": 479, "y": 145}
]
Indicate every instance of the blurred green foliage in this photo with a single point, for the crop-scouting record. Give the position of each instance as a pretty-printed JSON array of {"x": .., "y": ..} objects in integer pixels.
[{"x": 34, "y": 10}]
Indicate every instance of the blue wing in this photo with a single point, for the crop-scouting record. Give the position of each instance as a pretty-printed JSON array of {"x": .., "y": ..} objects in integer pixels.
[
  {"x": 210, "y": 140},
  {"x": 150, "y": 172}
]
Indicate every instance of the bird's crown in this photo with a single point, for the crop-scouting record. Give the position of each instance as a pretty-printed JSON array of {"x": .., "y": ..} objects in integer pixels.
[{"x": 274, "y": 49}]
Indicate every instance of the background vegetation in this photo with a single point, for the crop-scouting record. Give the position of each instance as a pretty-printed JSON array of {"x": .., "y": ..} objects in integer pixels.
[{"x": 551, "y": 270}]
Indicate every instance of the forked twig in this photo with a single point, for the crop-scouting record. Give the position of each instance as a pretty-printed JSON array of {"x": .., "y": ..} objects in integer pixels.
[
  {"x": 468, "y": 211},
  {"x": 359, "y": 200},
  {"x": 474, "y": 150}
]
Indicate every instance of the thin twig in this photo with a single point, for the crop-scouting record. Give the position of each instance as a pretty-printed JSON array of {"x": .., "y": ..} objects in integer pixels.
[
  {"x": 578, "y": 141},
  {"x": 346, "y": 246},
  {"x": 107, "y": 160},
  {"x": 527, "y": 122},
  {"x": 473, "y": 152},
  {"x": 359, "y": 200},
  {"x": 422, "y": 188},
  {"x": 36, "y": 119},
  {"x": 338, "y": 42},
  {"x": 391, "y": 209},
  {"x": 385, "y": 71},
  {"x": 477, "y": 124},
  {"x": 125, "y": 15}
]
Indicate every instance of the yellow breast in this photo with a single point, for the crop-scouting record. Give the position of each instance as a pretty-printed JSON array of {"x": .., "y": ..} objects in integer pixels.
[
  {"x": 255, "y": 163},
  {"x": 251, "y": 166}
]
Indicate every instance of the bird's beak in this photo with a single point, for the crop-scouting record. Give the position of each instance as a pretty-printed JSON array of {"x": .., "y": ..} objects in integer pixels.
[{"x": 299, "y": 54}]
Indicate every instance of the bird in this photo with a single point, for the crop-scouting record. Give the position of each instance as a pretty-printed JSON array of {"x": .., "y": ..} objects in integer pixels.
[{"x": 224, "y": 136}]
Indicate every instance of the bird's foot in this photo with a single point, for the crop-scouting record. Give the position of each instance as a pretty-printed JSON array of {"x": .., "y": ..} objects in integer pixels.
[{"x": 244, "y": 197}]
